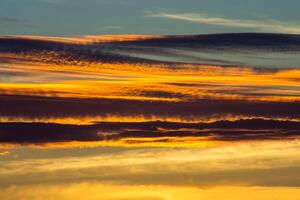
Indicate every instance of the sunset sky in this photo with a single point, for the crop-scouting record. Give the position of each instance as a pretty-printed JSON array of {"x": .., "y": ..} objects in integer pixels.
[{"x": 150, "y": 100}]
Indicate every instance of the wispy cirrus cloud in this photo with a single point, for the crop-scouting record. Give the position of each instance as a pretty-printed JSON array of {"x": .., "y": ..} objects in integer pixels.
[{"x": 266, "y": 25}]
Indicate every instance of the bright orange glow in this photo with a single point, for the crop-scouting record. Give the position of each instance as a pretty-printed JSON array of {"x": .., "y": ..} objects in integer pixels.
[
  {"x": 120, "y": 192},
  {"x": 149, "y": 117},
  {"x": 131, "y": 142},
  {"x": 126, "y": 81},
  {"x": 84, "y": 39},
  {"x": 85, "y": 120}
]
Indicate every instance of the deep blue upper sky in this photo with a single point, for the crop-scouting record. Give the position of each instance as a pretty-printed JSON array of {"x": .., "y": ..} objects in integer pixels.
[{"x": 82, "y": 17}]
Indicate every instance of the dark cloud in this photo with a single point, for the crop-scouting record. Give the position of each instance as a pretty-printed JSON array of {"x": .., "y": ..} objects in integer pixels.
[
  {"x": 37, "y": 133},
  {"x": 44, "y": 132},
  {"x": 66, "y": 53},
  {"x": 258, "y": 41},
  {"x": 166, "y": 49},
  {"x": 46, "y": 107}
]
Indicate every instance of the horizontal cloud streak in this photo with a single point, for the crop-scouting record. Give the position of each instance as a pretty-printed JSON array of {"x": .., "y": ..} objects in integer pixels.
[
  {"x": 63, "y": 81},
  {"x": 262, "y": 25},
  {"x": 154, "y": 132},
  {"x": 264, "y": 163},
  {"x": 31, "y": 108},
  {"x": 198, "y": 49}
]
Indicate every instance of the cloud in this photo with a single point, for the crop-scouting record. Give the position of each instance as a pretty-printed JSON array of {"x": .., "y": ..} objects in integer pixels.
[
  {"x": 66, "y": 94},
  {"x": 157, "y": 132},
  {"x": 194, "y": 49},
  {"x": 265, "y": 163},
  {"x": 43, "y": 108},
  {"x": 261, "y": 25}
]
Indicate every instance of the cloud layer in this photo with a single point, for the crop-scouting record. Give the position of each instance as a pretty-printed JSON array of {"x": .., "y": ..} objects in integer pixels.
[
  {"x": 137, "y": 132},
  {"x": 49, "y": 84}
]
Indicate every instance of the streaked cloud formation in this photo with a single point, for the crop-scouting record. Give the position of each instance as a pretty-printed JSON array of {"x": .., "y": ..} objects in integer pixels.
[
  {"x": 139, "y": 113},
  {"x": 147, "y": 133},
  {"x": 263, "y": 25},
  {"x": 192, "y": 100},
  {"x": 257, "y": 168},
  {"x": 163, "y": 90}
]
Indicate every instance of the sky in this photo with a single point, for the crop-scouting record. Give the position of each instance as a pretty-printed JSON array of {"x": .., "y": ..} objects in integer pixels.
[
  {"x": 117, "y": 100},
  {"x": 93, "y": 17}
]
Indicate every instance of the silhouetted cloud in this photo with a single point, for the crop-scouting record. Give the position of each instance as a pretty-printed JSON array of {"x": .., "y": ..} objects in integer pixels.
[
  {"x": 38, "y": 133},
  {"x": 43, "y": 107},
  {"x": 156, "y": 49}
]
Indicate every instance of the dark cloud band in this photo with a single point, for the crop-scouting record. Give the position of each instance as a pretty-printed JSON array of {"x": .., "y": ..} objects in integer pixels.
[
  {"x": 38, "y": 133},
  {"x": 151, "y": 50},
  {"x": 46, "y": 107}
]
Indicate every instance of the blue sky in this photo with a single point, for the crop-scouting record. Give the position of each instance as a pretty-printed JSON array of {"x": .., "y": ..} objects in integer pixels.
[{"x": 86, "y": 17}]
